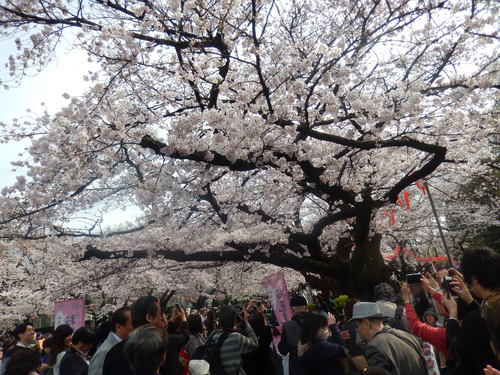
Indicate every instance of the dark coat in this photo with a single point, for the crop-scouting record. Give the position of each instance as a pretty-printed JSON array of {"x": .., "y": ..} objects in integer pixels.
[
  {"x": 175, "y": 342},
  {"x": 72, "y": 363},
  {"x": 259, "y": 362},
  {"x": 116, "y": 364},
  {"x": 290, "y": 339},
  {"x": 322, "y": 357},
  {"x": 470, "y": 344}
]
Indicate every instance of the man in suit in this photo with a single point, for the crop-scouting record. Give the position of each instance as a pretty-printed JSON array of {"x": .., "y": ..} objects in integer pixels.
[
  {"x": 75, "y": 361},
  {"x": 122, "y": 326},
  {"x": 145, "y": 310}
]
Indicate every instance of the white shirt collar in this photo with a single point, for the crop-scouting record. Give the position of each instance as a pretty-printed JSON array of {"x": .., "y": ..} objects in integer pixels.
[{"x": 116, "y": 336}]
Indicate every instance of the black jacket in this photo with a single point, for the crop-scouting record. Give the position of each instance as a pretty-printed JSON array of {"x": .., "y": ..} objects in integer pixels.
[
  {"x": 259, "y": 362},
  {"x": 116, "y": 364},
  {"x": 322, "y": 357},
  {"x": 469, "y": 345},
  {"x": 290, "y": 339},
  {"x": 175, "y": 342},
  {"x": 72, "y": 363}
]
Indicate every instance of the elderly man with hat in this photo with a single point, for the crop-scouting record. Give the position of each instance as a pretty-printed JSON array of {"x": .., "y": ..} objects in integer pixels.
[
  {"x": 291, "y": 333},
  {"x": 396, "y": 351}
]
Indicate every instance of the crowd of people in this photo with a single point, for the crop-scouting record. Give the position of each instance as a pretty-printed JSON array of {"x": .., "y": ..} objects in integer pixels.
[{"x": 447, "y": 322}]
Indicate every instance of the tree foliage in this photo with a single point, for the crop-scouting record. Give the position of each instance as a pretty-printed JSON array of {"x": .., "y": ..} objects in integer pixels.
[{"x": 266, "y": 131}]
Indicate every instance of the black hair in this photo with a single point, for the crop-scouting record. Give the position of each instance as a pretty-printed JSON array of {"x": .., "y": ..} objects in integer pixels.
[
  {"x": 23, "y": 362},
  {"x": 195, "y": 324},
  {"x": 310, "y": 327},
  {"x": 20, "y": 328},
  {"x": 227, "y": 317},
  {"x": 48, "y": 342},
  {"x": 119, "y": 317},
  {"x": 212, "y": 315},
  {"x": 104, "y": 329},
  {"x": 58, "y": 346},
  {"x": 145, "y": 348},
  {"x": 141, "y": 308},
  {"x": 84, "y": 335},
  {"x": 483, "y": 264},
  {"x": 257, "y": 321},
  {"x": 491, "y": 314}
]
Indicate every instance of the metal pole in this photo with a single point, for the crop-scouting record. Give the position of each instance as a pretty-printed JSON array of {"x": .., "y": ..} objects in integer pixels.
[{"x": 450, "y": 263}]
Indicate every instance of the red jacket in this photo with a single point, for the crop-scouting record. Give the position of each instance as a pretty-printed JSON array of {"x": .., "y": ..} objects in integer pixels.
[{"x": 433, "y": 335}]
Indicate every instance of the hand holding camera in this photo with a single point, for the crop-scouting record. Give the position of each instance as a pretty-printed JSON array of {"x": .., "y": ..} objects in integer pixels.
[{"x": 458, "y": 286}]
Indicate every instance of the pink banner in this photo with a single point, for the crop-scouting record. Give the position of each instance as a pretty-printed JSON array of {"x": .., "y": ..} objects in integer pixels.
[
  {"x": 70, "y": 312},
  {"x": 278, "y": 295}
]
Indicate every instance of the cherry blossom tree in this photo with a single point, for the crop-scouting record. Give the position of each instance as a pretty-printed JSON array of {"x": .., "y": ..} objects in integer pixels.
[{"x": 274, "y": 132}]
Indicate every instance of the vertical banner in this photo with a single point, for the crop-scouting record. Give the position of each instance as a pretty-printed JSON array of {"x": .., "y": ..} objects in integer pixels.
[
  {"x": 278, "y": 295},
  {"x": 70, "y": 312}
]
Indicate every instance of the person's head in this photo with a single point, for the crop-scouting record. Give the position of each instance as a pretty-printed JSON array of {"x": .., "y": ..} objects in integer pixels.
[
  {"x": 491, "y": 313},
  {"x": 122, "y": 322},
  {"x": 195, "y": 324},
  {"x": 211, "y": 315},
  {"x": 384, "y": 292},
  {"x": 47, "y": 344},
  {"x": 62, "y": 341},
  {"x": 23, "y": 362},
  {"x": 314, "y": 327},
  {"x": 146, "y": 349},
  {"x": 227, "y": 317},
  {"x": 84, "y": 338},
  {"x": 298, "y": 304},
  {"x": 430, "y": 317},
  {"x": 199, "y": 367},
  {"x": 368, "y": 319},
  {"x": 146, "y": 310},
  {"x": 257, "y": 320},
  {"x": 480, "y": 270},
  {"x": 24, "y": 333}
]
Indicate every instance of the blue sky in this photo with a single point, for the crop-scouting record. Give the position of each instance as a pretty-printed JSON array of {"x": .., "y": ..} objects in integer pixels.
[{"x": 63, "y": 75}]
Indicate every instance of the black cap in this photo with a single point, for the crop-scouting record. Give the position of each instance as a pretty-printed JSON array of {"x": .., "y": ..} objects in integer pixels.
[{"x": 298, "y": 301}]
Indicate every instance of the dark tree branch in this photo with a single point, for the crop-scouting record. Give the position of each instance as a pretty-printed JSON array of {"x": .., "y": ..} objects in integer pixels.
[{"x": 240, "y": 254}]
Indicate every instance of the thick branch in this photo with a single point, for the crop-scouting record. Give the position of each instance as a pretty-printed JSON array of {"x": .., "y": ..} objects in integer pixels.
[{"x": 241, "y": 254}]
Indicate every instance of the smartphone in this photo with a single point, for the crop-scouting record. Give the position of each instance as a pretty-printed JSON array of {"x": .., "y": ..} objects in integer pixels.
[
  {"x": 445, "y": 284},
  {"x": 413, "y": 278}
]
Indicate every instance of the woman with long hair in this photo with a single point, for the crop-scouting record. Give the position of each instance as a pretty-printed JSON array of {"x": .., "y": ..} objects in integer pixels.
[
  {"x": 320, "y": 345},
  {"x": 62, "y": 342},
  {"x": 259, "y": 361}
]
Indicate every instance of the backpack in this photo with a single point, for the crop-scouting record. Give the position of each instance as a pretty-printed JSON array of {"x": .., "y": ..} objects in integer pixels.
[
  {"x": 397, "y": 321},
  {"x": 210, "y": 352}
]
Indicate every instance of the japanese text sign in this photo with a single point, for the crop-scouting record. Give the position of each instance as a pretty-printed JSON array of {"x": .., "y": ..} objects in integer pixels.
[
  {"x": 278, "y": 295},
  {"x": 70, "y": 312}
]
